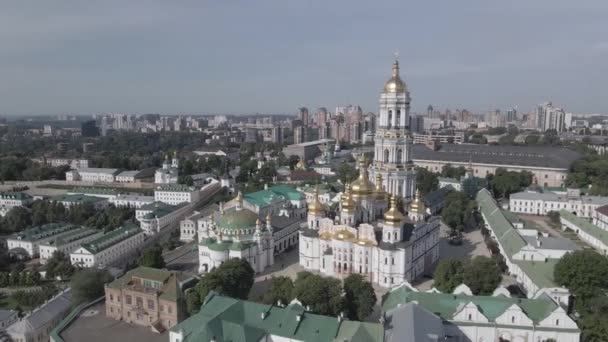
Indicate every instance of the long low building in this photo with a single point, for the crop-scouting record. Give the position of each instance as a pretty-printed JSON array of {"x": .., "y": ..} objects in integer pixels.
[
  {"x": 465, "y": 317},
  {"x": 176, "y": 194},
  {"x": 116, "y": 246},
  {"x": 27, "y": 242},
  {"x": 157, "y": 216},
  {"x": 10, "y": 200},
  {"x": 67, "y": 242},
  {"x": 92, "y": 174},
  {"x": 541, "y": 203},
  {"x": 587, "y": 231},
  {"x": 530, "y": 260},
  {"x": 548, "y": 164}
]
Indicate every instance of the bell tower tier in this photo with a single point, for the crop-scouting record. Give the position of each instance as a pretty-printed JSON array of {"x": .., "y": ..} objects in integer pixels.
[{"x": 393, "y": 141}]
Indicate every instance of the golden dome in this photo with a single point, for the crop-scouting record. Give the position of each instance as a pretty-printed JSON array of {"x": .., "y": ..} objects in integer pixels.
[
  {"x": 379, "y": 192},
  {"x": 395, "y": 84},
  {"x": 301, "y": 165},
  {"x": 348, "y": 205},
  {"x": 417, "y": 206},
  {"x": 362, "y": 186},
  {"x": 393, "y": 216},
  {"x": 316, "y": 207}
]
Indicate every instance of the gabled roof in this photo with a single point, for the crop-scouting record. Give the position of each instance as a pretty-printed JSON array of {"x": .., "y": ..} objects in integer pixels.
[
  {"x": 412, "y": 323},
  {"x": 111, "y": 238},
  {"x": 53, "y": 310},
  {"x": 229, "y": 319},
  {"x": 447, "y": 305},
  {"x": 274, "y": 193},
  {"x": 586, "y": 226}
]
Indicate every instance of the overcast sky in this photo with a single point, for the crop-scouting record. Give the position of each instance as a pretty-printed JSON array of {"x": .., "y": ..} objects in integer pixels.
[{"x": 162, "y": 56}]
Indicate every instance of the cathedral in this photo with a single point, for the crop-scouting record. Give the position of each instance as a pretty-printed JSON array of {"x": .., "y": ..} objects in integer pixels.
[{"x": 370, "y": 235}]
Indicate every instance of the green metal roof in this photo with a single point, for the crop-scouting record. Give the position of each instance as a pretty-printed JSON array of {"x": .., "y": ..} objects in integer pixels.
[
  {"x": 447, "y": 305},
  {"x": 506, "y": 234},
  {"x": 354, "y": 331},
  {"x": 77, "y": 198},
  {"x": 237, "y": 219},
  {"x": 93, "y": 190},
  {"x": 159, "y": 209},
  {"x": 278, "y": 192},
  {"x": 213, "y": 245},
  {"x": 176, "y": 187},
  {"x": 234, "y": 320},
  {"x": 22, "y": 196},
  {"x": 540, "y": 272},
  {"x": 111, "y": 238},
  {"x": 586, "y": 226},
  {"x": 71, "y": 236},
  {"x": 45, "y": 231}
]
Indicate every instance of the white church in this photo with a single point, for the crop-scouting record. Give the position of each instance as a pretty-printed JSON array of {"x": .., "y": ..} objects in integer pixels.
[
  {"x": 169, "y": 173},
  {"x": 370, "y": 236}
]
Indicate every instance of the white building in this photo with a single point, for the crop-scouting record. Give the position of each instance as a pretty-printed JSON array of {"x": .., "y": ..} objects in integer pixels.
[
  {"x": 157, "y": 216},
  {"x": 176, "y": 194},
  {"x": 594, "y": 234},
  {"x": 540, "y": 203},
  {"x": 188, "y": 226},
  {"x": 393, "y": 142},
  {"x": 239, "y": 232},
  {"x": 529, "y": 257},
  {"x": 67, "y": 242},
  {"x": 549, "y": 117},
  {"x": 92, "y": 174},
  {"x": 76, "y": 199},
  {"x": 132, "y": 201},
  {"x": 10, "y": 200},
  {"x": 117, "y": 246},
  {"x": 406, "y": 249},
  {"x": 127, "y": 176},
  {"x": 28, "y": 241},
  {"x": 466, "y": 317},
  {"x": 72, "y": 163},
  {"x": 38, "y": 324},
  {"x": 169, "y": 173}
]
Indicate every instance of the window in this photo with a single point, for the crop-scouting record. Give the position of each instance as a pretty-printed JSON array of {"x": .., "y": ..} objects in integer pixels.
[
  {"x": 150, "y": 304},
  {"x": 139, "y": 302},
  {"x": 470, "y": 317},
  {"x": 512, "y": 319},
  {"x": 169, "y": 309},
  {"x": 128, "y": 299},
  {"x": 557, "y": 322}
]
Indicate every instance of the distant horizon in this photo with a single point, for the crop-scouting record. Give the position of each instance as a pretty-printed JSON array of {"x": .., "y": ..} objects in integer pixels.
[{"x": 273, "y": 56}]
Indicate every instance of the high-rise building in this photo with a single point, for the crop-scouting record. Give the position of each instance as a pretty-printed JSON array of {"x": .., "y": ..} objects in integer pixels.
[
  {"x": 429, "y": 111},
  {"x": 303, "y": 115},
  {"x": 393, "y": 142},
  {"x": 89, "y": 129},
  {"x": 277, "y": 134},
  {"x": 549, "y": 117},
  {"x": 299, "y": 135},
  {"x": 511, "y": 115},
  {"x": 321, "y": 117},
  {"x": 494, "y": 118}
]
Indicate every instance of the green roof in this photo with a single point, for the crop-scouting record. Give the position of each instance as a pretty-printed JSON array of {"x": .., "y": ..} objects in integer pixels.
[
  {"x": 447, "y": 305},
  {"x": 176, "y": 187},
  {"x": 213, "y": 245},
  {"x": 234, "y": 320},
  {"x": 540, "y": 272},
  {"x": 159, "y": 209},
  {"x": 272, "y": 194},
  {"x": 71, "y": 236},
  {"x": 169, "y": 289},
  {"x": 78, "y": 198},
  {"x": 92, "y": 190},
  {"x": 237, "y": 219},
  {"x": 45, "y": 231},
  {"x": 111, "y": 238},
  {"x": 586, "y": 226},
  {"x": 22, "y": 196},
  {"x": 354, "y": 331},
  {"x": 505, "y": 233}
]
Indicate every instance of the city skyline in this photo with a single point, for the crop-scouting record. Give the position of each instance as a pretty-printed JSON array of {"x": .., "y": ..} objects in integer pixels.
[{"x": 195, "y": 58}]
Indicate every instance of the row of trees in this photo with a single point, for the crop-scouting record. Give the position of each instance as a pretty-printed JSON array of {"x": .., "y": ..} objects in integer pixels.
[
  {"x": 457, "y": 211},
  {"x": 355, "y": 297},
  {"x": 590, "y": 171},
  {"x": 13, "y": 168},
  {"x": 503, "y": 182},
  {"x": 481, "y": 275},
  {"x": 43, "y": 212},
  {"x": 17, "y": 278},
  {"x": 28, "y": 300}
]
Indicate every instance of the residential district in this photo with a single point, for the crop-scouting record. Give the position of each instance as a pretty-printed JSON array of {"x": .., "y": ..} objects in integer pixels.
[{"x": 332, "y": 226}]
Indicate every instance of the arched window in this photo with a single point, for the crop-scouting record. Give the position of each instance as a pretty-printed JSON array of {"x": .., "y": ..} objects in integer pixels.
[
  {"x": 398, "y": 119},
  {"x": 390, "y": 118},
  {"x": 399, "y": 155},
  {"x": 386, "y": 156}
]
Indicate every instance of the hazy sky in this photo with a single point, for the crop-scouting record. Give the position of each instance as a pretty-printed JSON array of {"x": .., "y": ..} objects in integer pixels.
[{"x": 263, "y": 56}]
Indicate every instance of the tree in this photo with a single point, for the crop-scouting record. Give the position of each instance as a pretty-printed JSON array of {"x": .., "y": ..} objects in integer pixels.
[
  {"x": 88, "y": 284},
  {"x": 281, "y": 289},
  {"x": 347, "y": 173},
  {"x": 426, "y": 181},
  {"x": 482, "y": 275},
  {"x": 233, "y": 278},
  {"x": 584, "y": 273},
  {"x": 457, "y": 210},
  {"x": 193, "y": 302},
  {"x": 448, "y": 275},
  {"x": 554, "y": 217},
  {"x": 152, "y": 257},
  {"x": 506, "y": 182},
  {"x": 323, "y": 295},
  {"x": 59, "y": 265},
  {"x": 359, "y": 297},
  {"x": 17, "y": 219}
]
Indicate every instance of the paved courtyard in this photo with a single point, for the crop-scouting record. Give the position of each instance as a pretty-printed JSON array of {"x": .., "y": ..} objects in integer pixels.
[{"x": 93, "y": 326}]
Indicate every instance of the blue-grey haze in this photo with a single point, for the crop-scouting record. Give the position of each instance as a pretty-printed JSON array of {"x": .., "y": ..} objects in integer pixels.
[{"x": 272, "y": 56}]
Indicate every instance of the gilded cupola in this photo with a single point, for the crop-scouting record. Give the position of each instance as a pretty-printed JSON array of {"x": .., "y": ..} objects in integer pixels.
[
  {"x": 393, "y": 216},
  {"x": 395, "y": 84},
  {"x": 362, "y": 187}
]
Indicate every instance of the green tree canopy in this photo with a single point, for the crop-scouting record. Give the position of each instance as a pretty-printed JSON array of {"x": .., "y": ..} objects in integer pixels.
[
  {"x": 482, "y": 275},
  {"x": 17, "y": 219},
  {"x": 152, "y": 257},
  {"x": 88, "y": 284},
  {"x": 585, "y": 273},
  {"x": 347, "y": 172},
  {"x": 323, "y": 295},
  {"x": 426, "y": 181},
  {"x": 281, "y": 289},
  {"x": 448, "y": 275},
  {"x": 59, "y": 265},
  {"x": 359, "y": 297}
]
